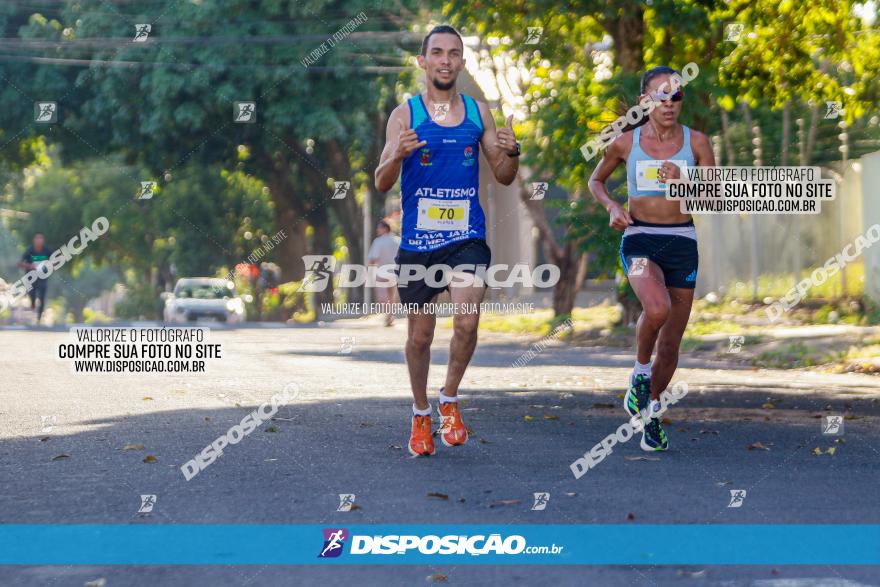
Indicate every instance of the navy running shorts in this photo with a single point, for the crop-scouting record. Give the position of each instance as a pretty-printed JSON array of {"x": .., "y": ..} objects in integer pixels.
[
  {"x": 676, "y": 255},
  {"x": 473, "y": 251}
]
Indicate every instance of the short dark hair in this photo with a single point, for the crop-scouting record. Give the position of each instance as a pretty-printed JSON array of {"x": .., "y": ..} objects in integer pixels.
[
  {"x": 385, "y": 224},
  {"x": 442, "y": 28},
  {"x": 654, "y": 72},
  {"x": 36, "y": 234}
]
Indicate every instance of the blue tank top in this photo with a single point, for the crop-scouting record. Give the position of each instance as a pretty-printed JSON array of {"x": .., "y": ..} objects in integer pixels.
[
  {"x": 440, "y": 182},
  {"x": 641, "y": 168}
]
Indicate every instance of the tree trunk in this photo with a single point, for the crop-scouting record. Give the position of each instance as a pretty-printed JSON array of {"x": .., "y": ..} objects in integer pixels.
[
  {"x": 786, "y": 134},
  {"x": 290, "y": 250},
  {"x": 77, "y": 305},
  {"x": 627, "y": 29},
  {"x": 166, "y": 278},
  {"x": 811, "y": 135},
  {"x": 322, "y": 243},
  {"x": 747, "y": 116},
  {"x": 571, "y": 262},
  {"x": 725, "y": 133},
  {"x": 348, "y": 213},
  {"x": 573, "y": 268}
]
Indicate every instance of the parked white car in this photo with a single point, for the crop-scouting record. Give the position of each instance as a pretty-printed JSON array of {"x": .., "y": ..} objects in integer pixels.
[{"x": 203, "y": 298}]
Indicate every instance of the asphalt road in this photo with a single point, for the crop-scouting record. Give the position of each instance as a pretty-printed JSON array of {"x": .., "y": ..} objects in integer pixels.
[{"x": 346, "y": 432}]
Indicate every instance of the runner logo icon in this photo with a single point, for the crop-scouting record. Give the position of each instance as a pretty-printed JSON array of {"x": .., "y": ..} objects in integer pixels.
[
  {"x": 737, "y": 497},
  {"x": 334, "y": 541},
  {"x": 319, "y": 272},
  {"x": 639, "y": 264}
]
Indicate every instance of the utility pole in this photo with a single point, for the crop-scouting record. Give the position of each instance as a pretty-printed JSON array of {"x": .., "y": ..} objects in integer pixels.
[
  {"x": 755, "y": 248},
  {"x": 844, "y": 150}
]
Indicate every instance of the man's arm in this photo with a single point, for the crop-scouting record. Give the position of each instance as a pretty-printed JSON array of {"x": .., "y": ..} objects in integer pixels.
[
  {"x": 373, "y": 253},
  {"x": 400, "y": 142},
  {"x": 25, "y": 262},
  {"x": 498, "y": 145}
]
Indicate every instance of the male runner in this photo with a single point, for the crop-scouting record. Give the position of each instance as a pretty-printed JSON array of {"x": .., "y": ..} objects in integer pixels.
[
  {"x": 659, "y": 245},
  {"x": 382, "y": 252},
  {"x": 35, "y": 255},
  {"x": 435, "y": 139}
]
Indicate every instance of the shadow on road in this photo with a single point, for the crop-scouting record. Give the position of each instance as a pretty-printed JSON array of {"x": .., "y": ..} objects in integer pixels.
[{"x": 292, "y": 469}]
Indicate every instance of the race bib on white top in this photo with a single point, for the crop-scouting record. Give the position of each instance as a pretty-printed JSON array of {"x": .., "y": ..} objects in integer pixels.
[
  {"x": 647, "y": 178},
  {"x": 443, "y": 214}
]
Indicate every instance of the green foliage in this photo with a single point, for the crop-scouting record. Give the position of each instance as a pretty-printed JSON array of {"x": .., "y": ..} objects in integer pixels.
[
  {"x": 207, "y": 218},
  {"x": 586, "y": 224},
  {"x": 584, "y": 72},
  {"x": 297, "y": 305},
  {"x": 794, "y": 356},
  {"x": 95, "y": 317},
  {"x": 141, "y": 302},
  {"x": 163, "y": 110},
  {"x": 776, "y": 285},
  {"x": 83, "y": 282}
]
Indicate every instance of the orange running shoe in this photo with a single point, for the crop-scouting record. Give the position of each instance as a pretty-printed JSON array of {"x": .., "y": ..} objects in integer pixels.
[
  {"x": 421, "y": 442},
  {"x": 452, "y": 431}
]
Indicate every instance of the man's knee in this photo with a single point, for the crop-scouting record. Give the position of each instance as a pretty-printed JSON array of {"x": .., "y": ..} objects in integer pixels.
[
  {"x": 656, "y": 312},
  {"x": 465, "y": 325},
  {"x": 421, "y": 338}
]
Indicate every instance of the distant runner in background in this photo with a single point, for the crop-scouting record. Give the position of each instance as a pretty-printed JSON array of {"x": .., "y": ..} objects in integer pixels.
[
  {"x": 34, "y": 256},
  {"x": 382, "y": 252}
]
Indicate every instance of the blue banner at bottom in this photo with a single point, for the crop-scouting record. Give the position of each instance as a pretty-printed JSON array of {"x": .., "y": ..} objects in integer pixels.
[{"x": 92, "y": 544}]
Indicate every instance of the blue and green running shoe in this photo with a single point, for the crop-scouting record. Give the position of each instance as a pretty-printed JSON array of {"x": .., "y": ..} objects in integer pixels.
[
  {"x": 653, "y": 436},
  {"x": 638, "y": 394}
]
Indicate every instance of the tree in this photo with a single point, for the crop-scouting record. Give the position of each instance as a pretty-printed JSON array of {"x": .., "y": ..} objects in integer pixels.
[
  {"x": 144, "y": 241},
  {"x": 584, "y": 70},
  {"x": 169, "y": 100}
]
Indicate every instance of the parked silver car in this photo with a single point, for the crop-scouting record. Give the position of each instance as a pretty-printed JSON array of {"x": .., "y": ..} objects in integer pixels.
[{"x": 203, "y": 298}]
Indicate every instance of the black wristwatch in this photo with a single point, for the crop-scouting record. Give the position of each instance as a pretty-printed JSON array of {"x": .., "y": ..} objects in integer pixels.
[{"x": 518, "y": 151}]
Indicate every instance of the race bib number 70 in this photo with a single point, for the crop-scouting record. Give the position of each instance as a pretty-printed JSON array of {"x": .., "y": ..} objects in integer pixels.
[{"x": 443, "y": 214}]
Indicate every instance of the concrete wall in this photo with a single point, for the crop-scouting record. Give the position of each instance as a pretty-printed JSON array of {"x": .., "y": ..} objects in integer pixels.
[{"x": 870, "y": 188}]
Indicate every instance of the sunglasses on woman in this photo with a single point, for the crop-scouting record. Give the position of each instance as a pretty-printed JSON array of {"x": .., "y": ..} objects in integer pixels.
[{"x": 676, "y": 96}]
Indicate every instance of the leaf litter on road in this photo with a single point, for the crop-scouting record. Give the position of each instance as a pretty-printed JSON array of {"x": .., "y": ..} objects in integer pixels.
[
  {"x": 504, "y": 502},
  {"x": 831, "y": 450}
]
